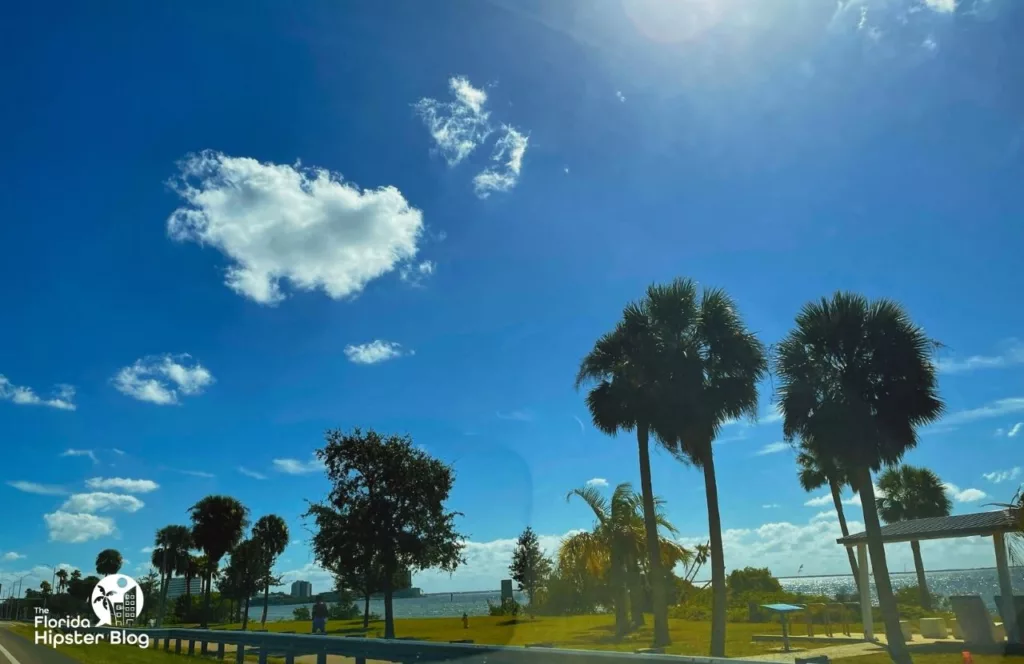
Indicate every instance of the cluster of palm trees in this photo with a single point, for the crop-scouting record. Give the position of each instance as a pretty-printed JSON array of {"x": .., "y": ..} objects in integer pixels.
[
  {"x": 217, "y": 529},
  {"x": 855, "y": 380}
]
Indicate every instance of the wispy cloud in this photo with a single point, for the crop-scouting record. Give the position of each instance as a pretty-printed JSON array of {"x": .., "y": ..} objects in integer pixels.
[
  {"x": 101, "y": 501},
  {"x": 460, "y": 125},
  {"x": 1012, "y": 353},
  {"x": 516, "y": 415},
  {"x": 598, "y": 482},
  {"x": 621, "y": 97},
  {"x": 12, "y": 555},
  {"x": 999, "y": 476},
  {"x": 941, "y": 6},
  {"x": 163, "y": 379},
  {"x": 40, "y": 489},
  {"x": 964, "y": 495},
  {"x": 197, "y": 473},
  {"x": 771, "y": 506},
  {"x": 62, "y": 397},
  {"x": 121, "y": 484},
  {"x": 774, "y": 448},
  {"x": 1014, "y": 430},
  {"x": 297, "y": 467},
  {"x": 580, "y": 422},
  {"x": 251, "y": 473},
  {"x": 508, "y": 157},
  {"x": 996, "y": 408},
  {"x": 117, "y": 451},
  {"x": 80, "y": 453},
  {"x": 416, "y": 274},
  {"x": 375, "y": 351}
]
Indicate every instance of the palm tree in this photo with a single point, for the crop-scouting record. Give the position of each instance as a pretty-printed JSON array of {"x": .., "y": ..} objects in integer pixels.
[
  {"x": 271, "y": 537},
  {"x": 173, "y": 545},
  {"x": 909, "y": 492},
  {"x": 76, "y": 575},
  {"x": 616, "y": 547},
  {"x": 104, "y": 599},
  {"x": 815, "y": 473},
  {"x": 218, "y": 523},
  {"x": 711, "y": 365},
  {"x": 62, "y": 580},
  {"x": 856, "y": 380},
  {"x": 109, "y": 562}
]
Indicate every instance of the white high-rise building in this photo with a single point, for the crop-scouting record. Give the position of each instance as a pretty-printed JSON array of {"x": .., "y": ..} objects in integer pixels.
[{"x": 302, "y": 589}]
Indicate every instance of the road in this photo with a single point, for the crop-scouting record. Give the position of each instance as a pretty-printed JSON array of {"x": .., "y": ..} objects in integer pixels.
[{"x": 16, "y": 650}]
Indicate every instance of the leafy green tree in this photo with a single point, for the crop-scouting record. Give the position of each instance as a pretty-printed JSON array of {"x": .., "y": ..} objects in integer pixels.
[
  {"x": 45, "y": 588},
  {"x": 530, "y": 567},
  {"x": 388, "y": 497},
  {"x": 218, "y": 523},
  {"x": 271, "y": 536},
  {"x": 909, "y": 492},
  {"x": 856, "y": 380},
  {"x": 753, "y": 580},
  {"x": 616, "y": 547},
  {"x": 81, "y": 588},
  {"x": 815, "y": 473},
  {"x": 109, "y": 562}
]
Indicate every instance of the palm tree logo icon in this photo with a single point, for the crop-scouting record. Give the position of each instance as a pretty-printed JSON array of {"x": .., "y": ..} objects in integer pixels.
[{"x": 104, "y": 598}]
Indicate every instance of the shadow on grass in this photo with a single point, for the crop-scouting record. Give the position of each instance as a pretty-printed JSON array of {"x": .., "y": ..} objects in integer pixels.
[{"x": 515, "y": 621}]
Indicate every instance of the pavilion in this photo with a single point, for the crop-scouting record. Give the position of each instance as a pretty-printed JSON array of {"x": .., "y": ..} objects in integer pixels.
[{"x": 985, "y": 524}]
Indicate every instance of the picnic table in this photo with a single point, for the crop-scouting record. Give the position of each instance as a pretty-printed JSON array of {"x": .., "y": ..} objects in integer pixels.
[{"x": 783, "y": 610}]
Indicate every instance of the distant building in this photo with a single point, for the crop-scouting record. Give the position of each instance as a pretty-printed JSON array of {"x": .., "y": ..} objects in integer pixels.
[
  {"x": 176, "y": 587},
  {"x": 302, "y": 589},
  {"x": 124, "y": 611}
]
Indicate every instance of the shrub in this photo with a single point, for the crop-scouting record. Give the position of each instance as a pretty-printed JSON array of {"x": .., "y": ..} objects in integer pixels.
[
  {"x": 343, "y": 611},
  {"x": 301, "y": 613},
  {"x": 752, "y": 580},
  {"x": 508, "y": 607}
]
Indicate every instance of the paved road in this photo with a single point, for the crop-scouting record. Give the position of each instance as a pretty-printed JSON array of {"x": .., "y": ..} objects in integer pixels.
[{"x": 16, "y": 650}]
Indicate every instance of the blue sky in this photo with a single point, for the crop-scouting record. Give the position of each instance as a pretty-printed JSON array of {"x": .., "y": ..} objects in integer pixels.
[{"x": 227, "y": 229}]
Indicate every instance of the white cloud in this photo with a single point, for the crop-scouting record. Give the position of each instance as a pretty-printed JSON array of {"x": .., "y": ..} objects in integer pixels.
[
  {"x": 77, "y": 528},
  {"x": 996, "y": 408},
  {"x": 121, "y": 484},
  {"x": 508, "y": 153},
  {"x": 80, "y": 453},
  {"x": 41, "y": 489},
  {"x": 1014, "y": 430},
  {"x": 416, "y": 274},
  {"x": 579, "y": 422},
  {"x": 964, "y": 495},
  {"x": 774, "y": 448},
  {"x": 146, "y": 549},
  {"x": 942, "y": 6},
  {"x": 1012, "y": 353},
  {"x": 198, "y": 473},
  {"x": 597, "y": 481},
  {"x": 99, "y": 501},
  {"x": 930, "y": 44},
  {"x": 62, "y": 397},
  {"x": 12, "y": 555},
  {"x": 999, "y": 476},
  {"x": 376, "y": 351},
  {"x": 251, "y": 473},
  {"x": 288, "y": 222},
  {"x": 771, "y": 506},
  {"x": 117, "y": 451},
  {"x": 161, "y": 379},
  {"x": 826, "y": 499},
  {"x": 459, "y": 126},
  {"x": 618, "y": 95},
  {"x": 515, "y": 415},
  {"x": 296, "y": 467}
]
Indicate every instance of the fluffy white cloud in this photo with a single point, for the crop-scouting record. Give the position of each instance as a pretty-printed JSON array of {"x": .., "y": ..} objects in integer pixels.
[
  {"x": 288, "y": 222},
  {"x": 162, "y": 379},
  {"x": 251, "y": 473},
  {"x": 508, "y": 157},
  {"x": 77, "y": 528},
  {"x": 296, "y": 467},
  {"x": 458, "y": 126},
  {"x": 597, "y": 481},
  {"x": 826, "y": 499},
  {"x": 1002, "y": 475},
  {"x": 41, "y": 489},
  {"x": 1012, "y": 353},
  {"x": 121, "y": 484},
  {"x": 964, "y": 495},
  {"x": 62, "y": 397},
  {"x": 375, "y": 351},
  {"x": 89, "y": 454},
  {"x": 12, "y": 555},
  {"x": 99, "y": 501},
  {"x": 942, "y": 6},
  {"x": 774, "y": 448}
]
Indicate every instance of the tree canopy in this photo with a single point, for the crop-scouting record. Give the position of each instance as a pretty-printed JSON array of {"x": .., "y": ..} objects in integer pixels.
[{"x": 529, "y": 567}]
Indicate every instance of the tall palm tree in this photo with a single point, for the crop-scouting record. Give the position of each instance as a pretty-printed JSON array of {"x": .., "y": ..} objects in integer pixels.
[
  {"x": 76, "y": 575},
  {"x": 712, "y": 365},
  {"x": 909, "y": 492},
  {"x": 173, "y": 544},
  {"x": 109, "y": 562},
  {"x": 856, "y": 380},
  {"x": 625, "y": 368},
  {"x": 62, "y": 580},
  {"x": 270, "y": 535},
  {"x": 218, "y": 523},
  {"x": 616, "y": 547},
  {"x": 814, "y": 473}
]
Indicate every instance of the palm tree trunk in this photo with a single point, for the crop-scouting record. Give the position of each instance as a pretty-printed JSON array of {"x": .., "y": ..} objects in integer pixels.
[
  {"x": 266, "y": 601},
  {"x": 636, "y": 594},
  {"x": 718, "y": 590},
  {"x": 838, "y": 502},
  {"x": 389, "y": 612},
  {"x": 206, "y": 604},
  {"x": 922, "y": 583},
  {"x": 886, "y": 601},
  {"x": 656, "y": 579}
]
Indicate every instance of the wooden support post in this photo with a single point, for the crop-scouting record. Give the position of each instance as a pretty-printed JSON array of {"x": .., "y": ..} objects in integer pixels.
[
  {"x": 865, "y": 592},
  {"x": 1006, "y": 590}
]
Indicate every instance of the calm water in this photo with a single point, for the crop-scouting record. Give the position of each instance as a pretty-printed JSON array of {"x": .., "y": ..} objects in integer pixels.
[{"x": 967, "y": 582}]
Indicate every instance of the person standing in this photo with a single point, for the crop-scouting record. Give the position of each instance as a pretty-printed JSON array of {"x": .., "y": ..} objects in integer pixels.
[{"x": 320, "y": 615}]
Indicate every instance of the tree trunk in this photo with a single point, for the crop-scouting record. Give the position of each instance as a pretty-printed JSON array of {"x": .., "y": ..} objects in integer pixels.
[
  {"x": 389, "y": 613},
  {"x": 886, "y": 601},
  {"x": 206, "y": 605},
  {"x": 636, "y": 595},
  {"x": 656, "y": 579},
  {"x": 266, "y": 601},
  {"x": 621, "y": 590},
  {"x": 922, "y": 583},
  {"x": 838, "y": 502},
  {"x": 245, "y": 615},
  {"x": 719, "y": 599},
  {"x": 366, "y": 611}
]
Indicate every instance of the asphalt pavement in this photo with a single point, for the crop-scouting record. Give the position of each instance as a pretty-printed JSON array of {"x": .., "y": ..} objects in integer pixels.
[{"x": 16, "y": 650}]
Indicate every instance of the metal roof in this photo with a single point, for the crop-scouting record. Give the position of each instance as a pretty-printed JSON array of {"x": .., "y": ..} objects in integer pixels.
[{"x": 942, "y": 527}]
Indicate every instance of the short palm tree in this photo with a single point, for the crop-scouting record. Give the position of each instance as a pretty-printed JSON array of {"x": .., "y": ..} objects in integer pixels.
[
  {"x": 218, "y": 523},
  {"x": 814, "y": 473},
  {"x": 270, "y": 534},
  {"x": 856, "y": 381},
  {"x": 909, "y": 492},
  {"x": 173, "y": 544},
  {"x": 108, "y": 562},
  {"x": 616, "y": 547},
  {"x": 62, "y": 580}
]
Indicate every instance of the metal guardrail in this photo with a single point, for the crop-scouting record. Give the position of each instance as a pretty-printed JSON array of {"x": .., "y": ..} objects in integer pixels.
[{"x": 290, "y": 646}]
